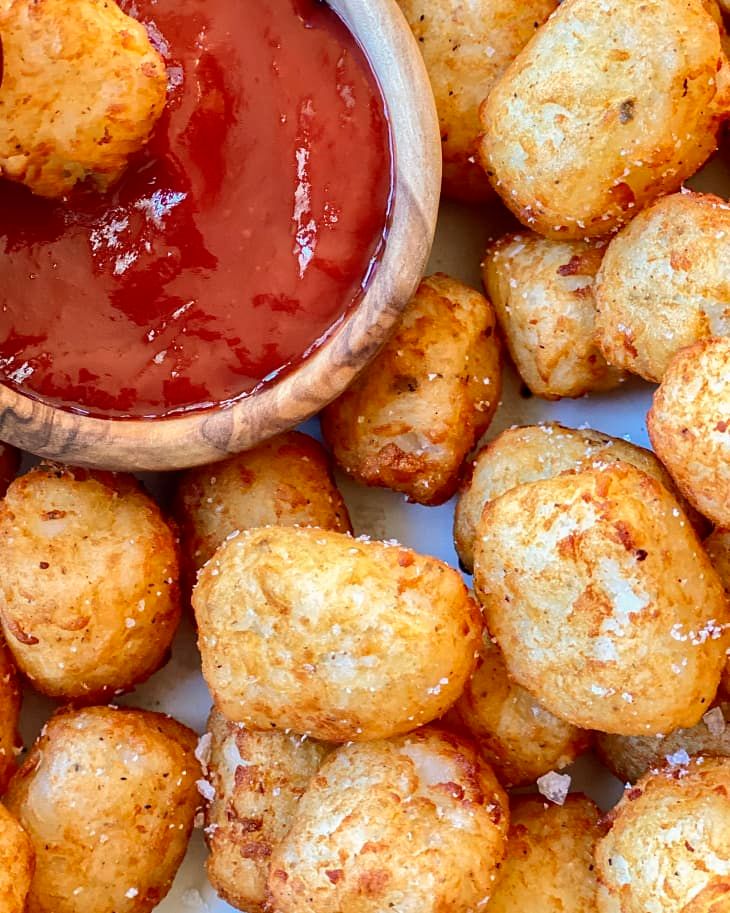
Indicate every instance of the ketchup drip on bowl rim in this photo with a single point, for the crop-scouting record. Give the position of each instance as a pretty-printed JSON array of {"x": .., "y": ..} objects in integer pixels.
[{"x": 235, "y": 241}]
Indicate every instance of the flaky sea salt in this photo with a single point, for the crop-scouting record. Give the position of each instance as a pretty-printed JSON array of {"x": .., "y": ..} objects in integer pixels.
[
  {"x": 193, "y": 900},
  {"x": 715, "y": 721},
  {"x": 680, "y": 758},
  {"x": 205, "y": 789},
  {"x": 554, "y": 786},
  {"x": 202, "y": 751}
]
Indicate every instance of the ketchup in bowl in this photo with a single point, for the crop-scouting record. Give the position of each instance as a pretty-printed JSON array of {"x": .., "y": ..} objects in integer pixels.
[{"x": 238, "y": 238}]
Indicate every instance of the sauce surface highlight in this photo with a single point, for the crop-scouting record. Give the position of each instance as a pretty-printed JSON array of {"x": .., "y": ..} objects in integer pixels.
[{"x": 248, "y": 226}]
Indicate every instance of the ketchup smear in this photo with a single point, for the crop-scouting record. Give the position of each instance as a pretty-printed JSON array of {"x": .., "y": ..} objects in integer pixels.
[{"x": 234, "y": 242}]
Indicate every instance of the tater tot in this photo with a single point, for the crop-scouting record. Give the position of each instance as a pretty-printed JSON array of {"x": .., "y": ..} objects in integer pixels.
[
  {"x": 416, "y": 824},
  {"x": 107, "y": 797},
  {"x": 610, "y": 106},
  {"x": 668, "y": 848},
  {"x": 335, "y": 637},
  {"x": 664, "y": 283},
  {"x": 603, "y": 601},
  {"x": 9, "y": 463},
  {"x": 89, "y": 598},
  {"x": 286, "y": 481},
  {"x": 255, "y": 782},
  {"x": 542, "y": 291},
  {"x": 549, "y": 863},
  {"x": 467, "y": 46},
  {"x": 516, "y": 735},
  {"x": 413, "y": 415},
  {"x": 82, "y": 89},
  {"x": 630, "y": 757},
  {"x": 9, "y": 714},
  {"x": 689, "y": 425},
  {"x": 533, "y": 452},
  {"x": 16, "y": 864}
]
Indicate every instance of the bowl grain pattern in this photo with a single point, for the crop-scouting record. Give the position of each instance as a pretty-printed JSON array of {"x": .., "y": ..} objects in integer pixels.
[{"x": 207, "y": 436}]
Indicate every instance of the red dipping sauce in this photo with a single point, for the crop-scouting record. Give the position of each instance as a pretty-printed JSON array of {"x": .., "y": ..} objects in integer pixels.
[{"x": 235, "y": 241}]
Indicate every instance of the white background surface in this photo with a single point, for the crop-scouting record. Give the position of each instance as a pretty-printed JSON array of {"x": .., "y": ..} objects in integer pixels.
[{"x": 178, "y": 689}]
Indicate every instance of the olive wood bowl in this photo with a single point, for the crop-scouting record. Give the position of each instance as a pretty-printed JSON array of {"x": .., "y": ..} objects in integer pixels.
[{"x": 206, "y": 436}]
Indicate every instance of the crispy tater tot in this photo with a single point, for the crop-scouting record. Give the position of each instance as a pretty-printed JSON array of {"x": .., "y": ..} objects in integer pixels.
[
  {"x": 82, "y": 89},
  {"x": 286, "y": 481},
  {"x": 668, "y": 847},
  {"x": 518, "y": 737},
  {"x": 417, "y": 823},
  {"x": 107, "y": 797},
  {"x": 542, "y": 291},
  {"x": 255, "y": 782},
  {"x": 549, "y": 864},
  {"x": 689, "y": 425},
  {"x": 664, "y": 283},
  {"x": 16, "y": 864},
  {"x": 610, "y": 106},
  {"x": 467, "y": 45},
  {"x": 89, "y": 599},
  {"x": 9, "y": 714},
  {"x": 413, "y": 415},
  {"x": 630, "y": 757},
  {"x": 532, "y": 452},
  {"x": 339, "y": 638},
  {"x": 603, "y": 601}
]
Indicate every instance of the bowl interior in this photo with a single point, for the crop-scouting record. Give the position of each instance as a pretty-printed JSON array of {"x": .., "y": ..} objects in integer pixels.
[{"x": 207, "y": 436}]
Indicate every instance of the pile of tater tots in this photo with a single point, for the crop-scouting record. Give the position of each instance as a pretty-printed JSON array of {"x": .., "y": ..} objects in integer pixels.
[{"x": 370, "y": 710}]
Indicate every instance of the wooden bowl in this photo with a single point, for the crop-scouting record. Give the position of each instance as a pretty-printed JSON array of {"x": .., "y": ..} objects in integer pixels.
[{"x": 207, "y": 436}]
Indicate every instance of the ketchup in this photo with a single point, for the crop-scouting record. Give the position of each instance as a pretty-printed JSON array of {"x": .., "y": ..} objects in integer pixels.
[{"x": 236, "y": 239}]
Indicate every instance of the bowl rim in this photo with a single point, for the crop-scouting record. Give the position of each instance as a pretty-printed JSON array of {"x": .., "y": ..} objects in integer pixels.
[{"x": 196, "y": 438}]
